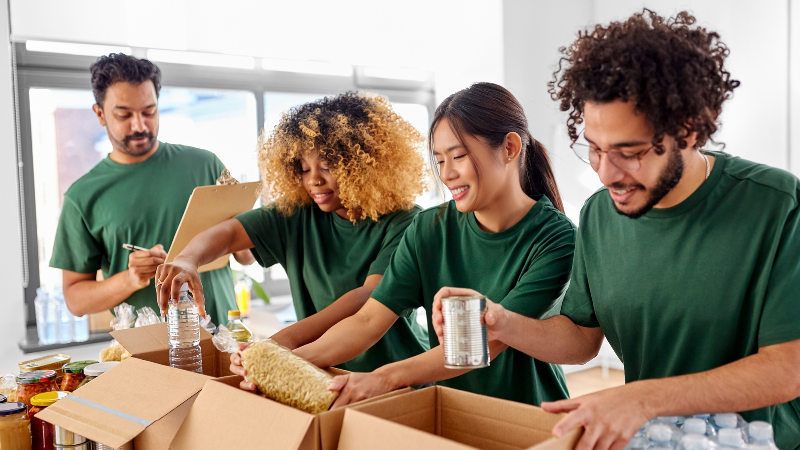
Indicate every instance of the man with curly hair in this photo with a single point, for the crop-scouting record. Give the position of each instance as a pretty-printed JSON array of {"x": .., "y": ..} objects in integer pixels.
[
  {"x": 340, "y": 176},
  {"x": 687, "y": 260}
]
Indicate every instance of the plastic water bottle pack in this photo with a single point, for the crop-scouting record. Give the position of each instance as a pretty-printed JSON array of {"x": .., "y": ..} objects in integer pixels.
[
  {"x": 726, "y": 431},
  {"x": 54, "y": 322},
  {"x": 183, "y": 321}
]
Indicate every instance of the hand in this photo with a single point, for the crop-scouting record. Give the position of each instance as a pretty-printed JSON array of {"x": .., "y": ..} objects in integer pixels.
[
  {"x": 357, "y": 386},
  {"x": 610, "y": 417},
  {"x": 142, "y": 266},
  {"x": 496, "y": 317},
  {"x": 169, "y": 279},
  {"x": 238, "y": 369}
]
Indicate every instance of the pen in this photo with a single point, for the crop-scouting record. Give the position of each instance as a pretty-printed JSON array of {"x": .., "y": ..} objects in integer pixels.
[{"x": 133, "y": 248}]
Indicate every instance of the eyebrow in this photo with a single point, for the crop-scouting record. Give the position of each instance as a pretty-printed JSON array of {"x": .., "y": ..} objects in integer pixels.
[
  {"x": 128, "y": 109},
  {"x": 624, "y": 144},
  {"x": 449, "y": 149}
]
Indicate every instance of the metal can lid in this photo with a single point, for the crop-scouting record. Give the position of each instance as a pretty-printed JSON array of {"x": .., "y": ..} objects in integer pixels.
[
  {"x": 461, "y": 298},
  {"x": 36, "y": 376},
  {"x": 98, "y": 369},
  {"x": 6, "y": 409},
  {"x": 77, "y": 366},
  {"x": 48, "y": 398}
]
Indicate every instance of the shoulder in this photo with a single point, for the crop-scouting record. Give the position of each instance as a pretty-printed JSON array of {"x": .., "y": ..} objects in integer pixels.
[
  {"x": 769, "y": 180},
  {"x": 186, "y": 152},
  {"x": 91, "y": 183},
  {"x": 556, "y": 219}
]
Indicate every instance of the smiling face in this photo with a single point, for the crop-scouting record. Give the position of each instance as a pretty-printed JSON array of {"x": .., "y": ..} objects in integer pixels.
[
  {"x": 130, "y": 115},
  {"x": 320, "y": 184},
  {"x": 615, "y": 126},
  {"x": 459, "y": 168}
]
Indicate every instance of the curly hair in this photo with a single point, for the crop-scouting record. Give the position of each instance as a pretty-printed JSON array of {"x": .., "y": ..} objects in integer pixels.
[
  {"x": 374, "y": 155},
  {"x": 115, "y": 67},
  {"x": 673, "y": 72}
]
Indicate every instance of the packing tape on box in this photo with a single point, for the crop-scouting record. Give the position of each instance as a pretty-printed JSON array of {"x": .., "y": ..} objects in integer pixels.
[{"x": 108, "y": 410}]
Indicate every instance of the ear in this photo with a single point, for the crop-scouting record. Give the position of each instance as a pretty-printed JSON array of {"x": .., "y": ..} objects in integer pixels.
[
  {"x": 512, "y": 147},
  {"x": 691, "y": 140},
  {"x": 99, "y": 111}
]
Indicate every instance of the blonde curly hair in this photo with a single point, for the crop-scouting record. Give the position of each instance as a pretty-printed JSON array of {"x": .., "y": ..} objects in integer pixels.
[{"x": 374, "y": 155}]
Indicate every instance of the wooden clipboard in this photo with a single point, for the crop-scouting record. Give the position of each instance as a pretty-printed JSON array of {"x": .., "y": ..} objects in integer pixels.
[{"x": 209, "y": 206}]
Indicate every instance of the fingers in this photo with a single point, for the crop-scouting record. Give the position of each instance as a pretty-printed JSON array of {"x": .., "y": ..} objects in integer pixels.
[
  {"x": 158, "y": 251},
  {"x": 590, "y": 437},
  {"x": 452, "y": 292},
  {"x": 438, "y": 319},
  {"x": 338, "y": 383},
  {"x": 561, "y": 406},
  {"x": 248, "y": 386},
  {"x": 574, "y": 419}
]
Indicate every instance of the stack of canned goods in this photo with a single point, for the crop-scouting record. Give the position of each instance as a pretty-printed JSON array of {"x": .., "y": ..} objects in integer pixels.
[{"x": 465, "y": 342}]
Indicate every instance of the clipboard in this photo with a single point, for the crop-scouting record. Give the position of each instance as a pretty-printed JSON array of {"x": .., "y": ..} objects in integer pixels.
[{"x": 209, "y": 206}]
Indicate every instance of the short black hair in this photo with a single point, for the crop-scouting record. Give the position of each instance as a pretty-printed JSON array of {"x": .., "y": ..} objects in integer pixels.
[
  {"x": 115, "y": 67},
  {"x": 673, "y": 71}
]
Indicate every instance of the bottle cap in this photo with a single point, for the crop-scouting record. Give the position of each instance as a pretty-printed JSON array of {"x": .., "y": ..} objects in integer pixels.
[
  {"x": 695, "y": 425},
  {"x": 185, "y": 287},
  {"x": 695, "y": 442},
  {"x": 659, "y": 432},
  {"x": 727, "y": 420},
  {"x": 760, "y": 430},
  {"x": 234, "y": 313},
  {"x": 671, "y": 419},
  {"x": 48, "y": 398},
  {"x": 731, "y": 437},
  {"x": 36, "y": 376},
  {"x": 6, "y": 409},
  {"x": 702, "y": 416},
  {"x": 95, "y": 370},
  {"x": 77, "y": 366}
]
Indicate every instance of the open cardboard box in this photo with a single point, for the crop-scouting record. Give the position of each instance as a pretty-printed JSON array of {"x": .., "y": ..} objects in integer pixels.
[
  {"x": 151, "y": 343},
  {"x": 135, "y": 401},
  {"x": 443, "y": 418},
  {"x": 224, "y": 416}
]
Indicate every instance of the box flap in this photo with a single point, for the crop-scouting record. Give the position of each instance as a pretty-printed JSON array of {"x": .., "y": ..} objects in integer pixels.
[
  {"x": 151, "y": 338},
  {"x": 565, "y": 442},
  {"x": 363, "y": 431},
  {"x": 118, "y": 405},
  {"x": 416, "y": 409},
  {"x": 224, "y": 416}
]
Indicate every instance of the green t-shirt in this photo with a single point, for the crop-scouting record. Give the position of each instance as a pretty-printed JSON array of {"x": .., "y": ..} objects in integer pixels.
[
  {"x": 690, "y": 288},
  {"x": 525, "y": 268},
  {"x": 325, "y": 257},
  {"x": 140, "y": 204}
]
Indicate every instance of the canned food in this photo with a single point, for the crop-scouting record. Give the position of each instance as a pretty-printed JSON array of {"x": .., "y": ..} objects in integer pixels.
[
  {"x": 51, "y": 362},
  {"x": 465, "y": 342}
]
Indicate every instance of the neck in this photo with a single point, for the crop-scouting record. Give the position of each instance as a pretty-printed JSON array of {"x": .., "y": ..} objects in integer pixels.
[
  {"x": 123, "y": 158},
  {"x": 505, "y": 210},
  {"x": 694, "y": 175}
]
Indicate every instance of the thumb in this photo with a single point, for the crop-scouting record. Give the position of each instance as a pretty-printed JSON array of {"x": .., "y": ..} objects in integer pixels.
[
  {"x": 338, "y": 383},
  {"x": 570, "y": 421}
]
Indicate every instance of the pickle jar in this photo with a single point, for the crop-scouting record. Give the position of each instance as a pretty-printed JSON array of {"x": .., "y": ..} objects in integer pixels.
[
  {"x": 73, "y": 375},
  {"x": 15, "y": 430},
  {"x": 41, "y": 431},
  {"x": 33, "y": 383}
]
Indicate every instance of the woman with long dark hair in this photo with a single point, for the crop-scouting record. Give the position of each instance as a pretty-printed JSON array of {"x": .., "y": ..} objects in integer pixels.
[{"x": 504, "y": 234}]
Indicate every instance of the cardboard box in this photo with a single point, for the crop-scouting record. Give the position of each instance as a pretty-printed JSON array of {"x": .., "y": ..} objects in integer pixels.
[
  {"x": 135, "y": 401},
  {"x": 151, "y": 343},
  {"x": 443, "y": 418},
  {"x": 100, "y": 321},
  {"x": 225, "y": 416}
]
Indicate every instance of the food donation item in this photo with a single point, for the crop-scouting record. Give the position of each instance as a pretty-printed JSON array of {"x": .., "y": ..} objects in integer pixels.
[
  {"x": 183, "y": 321},
  {"x": 15, "y": 431},
  {"x": 2, "y": 398},
  {"x": 51, "y": 362},
  {"x": 73, "y": 375},
  {"x": 41, "y": 431},
  {"x": 67, "y": 440},
  {"x": 239, "y": 330},
  {"x": 95, "y": 370},
  {"x": 124, "y": 318},
  {"x": 33, "y": 383},
  {"x": 465, "y": 340},
  {"x": 8, "y": 387},
  {"x": 287, "y": 378}
]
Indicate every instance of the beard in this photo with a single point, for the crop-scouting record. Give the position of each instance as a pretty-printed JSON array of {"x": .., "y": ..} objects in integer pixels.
[
  {"x": 125, "y": 147},
  {"x": 668, "y": 179}
]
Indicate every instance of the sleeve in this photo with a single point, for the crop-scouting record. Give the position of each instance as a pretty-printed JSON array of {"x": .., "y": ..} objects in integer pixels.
[
  {"x": 267, "y": 229},
  {"x": 538, "y": 292},
  {"x": 577, "y": 303},
  {"x": 75, "y": 248},
  {"x": 781, "y": 308},
  {"x": 391, "y": 240},
  {"x": 401, "y": 287}
]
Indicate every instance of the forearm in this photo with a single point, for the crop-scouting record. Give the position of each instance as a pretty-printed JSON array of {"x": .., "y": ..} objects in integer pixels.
[
  {"x": 91, "y": 296},
  {"x": 556, "y": 340},
  {"x": 220, "y": 240},
  {"x": 313, "y": 327},
  {"x": 342, "y": 342}
]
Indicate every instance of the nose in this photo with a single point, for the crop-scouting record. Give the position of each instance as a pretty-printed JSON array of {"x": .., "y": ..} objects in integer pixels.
[
  {"x": 314, "y": 178},
  {"x": 608, "y": 172},
  {"x": 448, "y": 172},
  {"x": 137, "y": 124}
]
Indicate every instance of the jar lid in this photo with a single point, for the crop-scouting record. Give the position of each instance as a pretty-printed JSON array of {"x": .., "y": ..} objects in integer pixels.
[
  {"x": 3, "y": 398},
  {"x": 48, "y": 398},
  {"x": 37, "y": 376},
  {"x": 77, "y": 366},
  {"x": 234, "y": 312},
  {"x": 95, "y": 370},
  {"x": 6, "y": 409}
]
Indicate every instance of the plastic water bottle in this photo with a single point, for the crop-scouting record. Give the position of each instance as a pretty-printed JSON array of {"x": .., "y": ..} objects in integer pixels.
[
  {"x": 731, "y": 438},
  {"x": 696, "y": 425},
  {"x": 45, "y": 322},
  {"x": 184, "y": 333},
  {"x": 761, "y": 436},
  {"x": 65, "y": 319},
  {"x": 639, "y": 440},
  {"x": 659, "y": 437},
  {"x": 81, "y": 328},
  {"x": 696, "y": 442}
]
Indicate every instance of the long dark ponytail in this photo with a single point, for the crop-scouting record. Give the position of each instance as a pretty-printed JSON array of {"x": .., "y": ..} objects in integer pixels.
[{"x": 490, "y": 111}]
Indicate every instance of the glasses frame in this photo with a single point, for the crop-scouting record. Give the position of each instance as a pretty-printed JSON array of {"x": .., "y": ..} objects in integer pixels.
[{"x": 611, "y": 154}]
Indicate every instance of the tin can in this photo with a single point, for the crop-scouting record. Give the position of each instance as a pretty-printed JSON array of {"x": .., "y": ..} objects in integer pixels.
[
  {"x": 465, "y": 343},
  {"x": 51, "y": 362}
]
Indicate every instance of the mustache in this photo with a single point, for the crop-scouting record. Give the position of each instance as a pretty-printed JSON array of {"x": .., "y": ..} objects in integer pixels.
[
  {"x": 146, "y": 134},
  {"x": 620, "y": 186}
]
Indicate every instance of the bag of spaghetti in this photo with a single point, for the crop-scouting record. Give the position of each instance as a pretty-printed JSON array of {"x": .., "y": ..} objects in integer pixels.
[{"x": 280, "y": 374}]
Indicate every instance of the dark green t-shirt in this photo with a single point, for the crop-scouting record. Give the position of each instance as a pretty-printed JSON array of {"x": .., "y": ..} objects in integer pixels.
[
  {"x": 690, "y": 288},
  {"x": 140, "y": 204},
  {"x": 525, "y": 268},
  {"x": 325, "y": 257}
]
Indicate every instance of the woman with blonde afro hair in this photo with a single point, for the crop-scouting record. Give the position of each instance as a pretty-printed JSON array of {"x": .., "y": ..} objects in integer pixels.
[{"x": 339, "y": 179}]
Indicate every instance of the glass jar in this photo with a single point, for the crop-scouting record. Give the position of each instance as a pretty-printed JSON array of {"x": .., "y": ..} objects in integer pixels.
[
  {"x": 33, "y": 383},
  {"x": 3, "y": 398},
  {"x": 95, "y": 370},
  {"x": 15, "y": 431},
  {"x": 73, "y": 375},
  {"x": 41, "y": 431}
]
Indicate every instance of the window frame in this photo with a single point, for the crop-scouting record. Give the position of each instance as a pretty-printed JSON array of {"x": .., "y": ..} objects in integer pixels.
[{"x": 60, "y": 71}]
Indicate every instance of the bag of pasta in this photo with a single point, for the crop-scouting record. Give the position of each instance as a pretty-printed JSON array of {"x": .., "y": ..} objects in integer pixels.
[
  {"x": 124, "y": 317},
  {"x": 281, "y": 375}
]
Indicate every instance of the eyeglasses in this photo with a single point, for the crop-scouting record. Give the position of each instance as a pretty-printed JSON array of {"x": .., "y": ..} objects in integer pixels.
[{"x": 625, "y": 161}]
